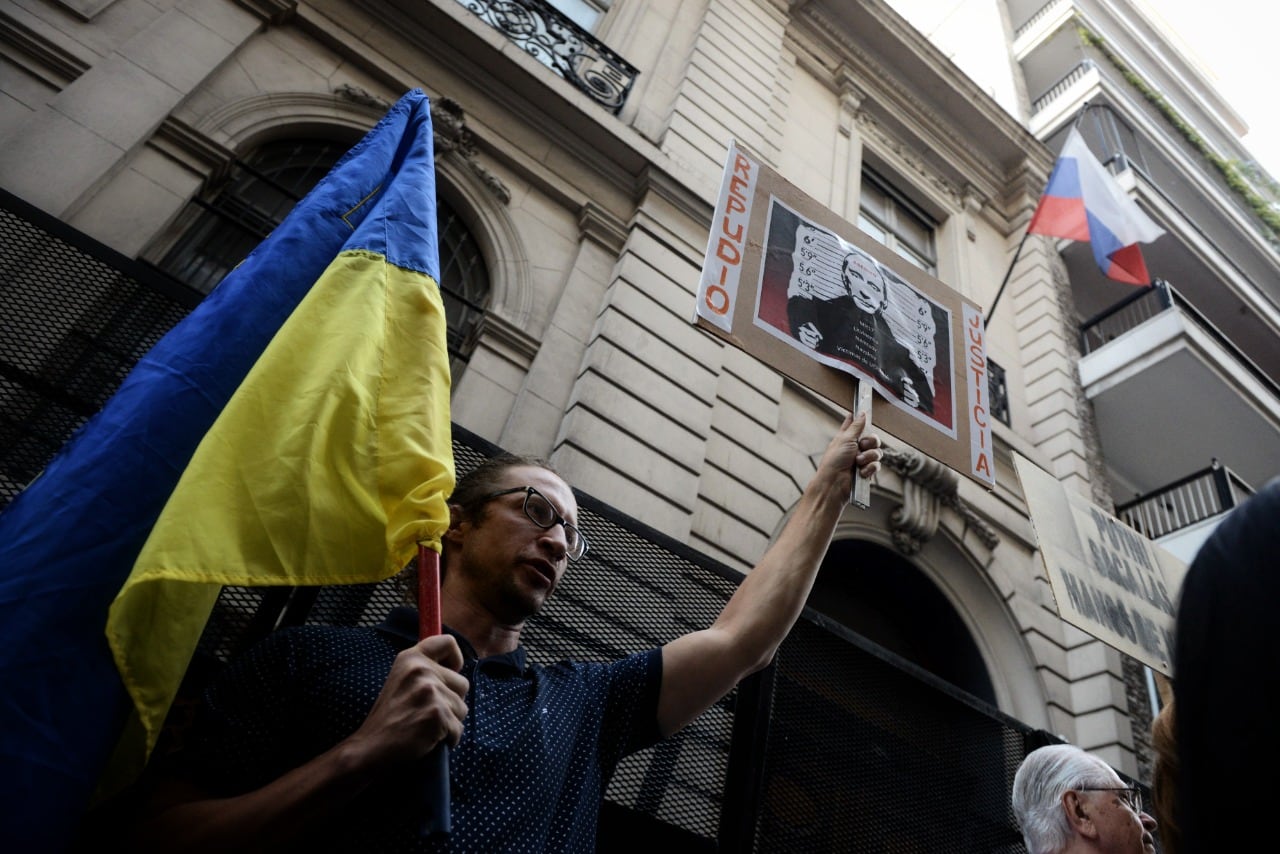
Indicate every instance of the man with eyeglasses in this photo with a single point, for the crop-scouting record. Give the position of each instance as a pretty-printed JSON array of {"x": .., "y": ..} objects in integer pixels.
[
  {"x": 315, "y": 738},
  {"x": 1068, "y": 801}
]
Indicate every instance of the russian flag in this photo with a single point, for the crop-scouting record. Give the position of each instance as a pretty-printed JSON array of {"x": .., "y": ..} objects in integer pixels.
[
  {"x": 294, "y": 429},
  {"x": 1084, "y": 202}
]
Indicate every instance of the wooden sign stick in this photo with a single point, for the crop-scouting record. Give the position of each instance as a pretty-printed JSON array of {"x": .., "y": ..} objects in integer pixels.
[{"x": 860, "y": 497}]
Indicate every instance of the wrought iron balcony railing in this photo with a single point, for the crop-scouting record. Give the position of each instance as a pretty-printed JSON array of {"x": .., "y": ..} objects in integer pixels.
[
  {"x": 1040, "y": 13},
  {"x": 1183, "y": 503},
  {"x": 1145, "y": 304},
  {"x": 1127, "y": 314},
  {"x": 547, "y": 35},
  {"x": 1066, "y": 82}
]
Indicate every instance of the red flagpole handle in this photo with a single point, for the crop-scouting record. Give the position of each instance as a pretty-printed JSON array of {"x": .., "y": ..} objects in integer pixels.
[{"x": 429, "y": 624}]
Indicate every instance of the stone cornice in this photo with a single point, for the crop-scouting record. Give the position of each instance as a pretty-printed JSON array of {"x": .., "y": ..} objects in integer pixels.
[
  {"x": 37, "y": 55},
  {"x": 890, "y": 96},
  {"x": 503, "y": 336},
  {"x": 905, "y": 155},
  {"x": 597, "y": 224},
  {"x": 662, "y": 184},
  {"x": 184, "y": 144},
  {"x": 270, "y": 11}
]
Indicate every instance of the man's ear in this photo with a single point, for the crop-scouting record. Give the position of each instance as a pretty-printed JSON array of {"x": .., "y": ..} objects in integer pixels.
[
  {"x": 456, "y": 517},
  {"x": 1079, "y": 815}
]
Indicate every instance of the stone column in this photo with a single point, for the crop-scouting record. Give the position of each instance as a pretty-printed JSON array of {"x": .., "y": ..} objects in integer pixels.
[{"x": 846, "y": 170}]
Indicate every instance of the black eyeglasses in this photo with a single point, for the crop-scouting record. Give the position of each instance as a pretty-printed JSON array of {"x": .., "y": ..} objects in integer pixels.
[
  {"x": 1130, "y": 795},
  {"x": 541, "y": 513}
]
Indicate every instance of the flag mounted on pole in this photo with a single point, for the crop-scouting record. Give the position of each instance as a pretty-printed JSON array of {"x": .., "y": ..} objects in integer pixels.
[
  {"x": 1083, "y": 202},
  {"x": 294, "y": 429}
]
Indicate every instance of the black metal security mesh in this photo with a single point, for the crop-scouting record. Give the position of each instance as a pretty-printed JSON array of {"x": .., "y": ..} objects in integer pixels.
[
  {"x": 866, "y": 753},
  {"x": 633, "y": 592},
  {"x": 74, "y": 318},
  {"x": 838, "y": 746}
]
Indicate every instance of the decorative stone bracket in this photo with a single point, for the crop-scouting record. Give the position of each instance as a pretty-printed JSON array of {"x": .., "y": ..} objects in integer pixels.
[{"x": 927, "y": 488}]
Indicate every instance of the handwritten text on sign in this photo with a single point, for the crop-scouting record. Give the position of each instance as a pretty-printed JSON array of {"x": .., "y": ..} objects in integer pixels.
[
  {"x": 1108, "y": 579},
  {"x": 727, "y": 242}
]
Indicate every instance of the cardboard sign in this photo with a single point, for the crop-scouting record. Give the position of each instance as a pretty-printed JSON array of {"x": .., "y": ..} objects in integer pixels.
[
  {"x": 1108, "y": 579},
  {"x": 801, "y": 289}
]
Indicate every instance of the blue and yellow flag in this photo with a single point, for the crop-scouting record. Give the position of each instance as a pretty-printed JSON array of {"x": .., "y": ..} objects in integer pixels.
[{"x": 293, "y": 429}]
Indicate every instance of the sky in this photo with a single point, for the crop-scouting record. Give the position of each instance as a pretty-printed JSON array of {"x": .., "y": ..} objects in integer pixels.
[{"x": 1238, "y": 45}]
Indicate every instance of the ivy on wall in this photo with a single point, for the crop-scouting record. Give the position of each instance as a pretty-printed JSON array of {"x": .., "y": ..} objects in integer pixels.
[{"x": 1232, "y": 170}]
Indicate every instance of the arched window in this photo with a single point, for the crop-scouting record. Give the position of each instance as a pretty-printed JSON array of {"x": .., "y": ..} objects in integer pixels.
[
  {"x": 261, "y": 190},
  {"x": 464, "y": 282},
  {"x": 882, "y": 596}
]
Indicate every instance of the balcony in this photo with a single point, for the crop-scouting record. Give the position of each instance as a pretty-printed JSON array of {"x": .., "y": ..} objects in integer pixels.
[
  {"x": 1079, "y": 56},
  {"x": 1170, "y": 391},
  {"x": 547, "y": 35},
  {"x": 1181, "y": 515}
]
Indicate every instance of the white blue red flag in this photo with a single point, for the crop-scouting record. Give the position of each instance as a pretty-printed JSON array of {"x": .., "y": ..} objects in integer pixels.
[{"x": 1084, "y": 202}]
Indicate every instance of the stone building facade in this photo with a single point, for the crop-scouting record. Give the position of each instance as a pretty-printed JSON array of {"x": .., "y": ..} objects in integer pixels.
[{"x": 584, "y": 178}]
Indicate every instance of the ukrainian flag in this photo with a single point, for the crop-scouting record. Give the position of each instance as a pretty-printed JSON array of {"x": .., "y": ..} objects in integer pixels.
[{"x": 293, "y": 429}]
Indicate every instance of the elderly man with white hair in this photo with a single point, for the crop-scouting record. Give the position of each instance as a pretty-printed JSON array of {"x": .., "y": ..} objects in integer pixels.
[{"x": 1068, "y": 801}]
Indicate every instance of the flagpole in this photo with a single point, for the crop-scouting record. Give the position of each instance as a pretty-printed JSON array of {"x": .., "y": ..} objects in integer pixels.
[
  {"x": 1075, "y": 122},
  {"x": 437, "y": 817},
  {"x": 860, "y": 496},
  {"x": 1007, "y": 273}
]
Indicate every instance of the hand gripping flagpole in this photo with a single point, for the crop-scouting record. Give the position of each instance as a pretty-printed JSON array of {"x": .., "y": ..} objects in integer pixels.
[{"x": 435, "y": 766}]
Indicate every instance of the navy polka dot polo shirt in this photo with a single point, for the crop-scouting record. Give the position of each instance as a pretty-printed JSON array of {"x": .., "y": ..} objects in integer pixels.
[{"x": 539, "y": 746}]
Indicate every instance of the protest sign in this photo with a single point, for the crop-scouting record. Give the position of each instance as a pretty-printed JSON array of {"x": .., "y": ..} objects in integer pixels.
[
  {"x": 790, "y": 282},
  {"x": 1108, "y": 579}
]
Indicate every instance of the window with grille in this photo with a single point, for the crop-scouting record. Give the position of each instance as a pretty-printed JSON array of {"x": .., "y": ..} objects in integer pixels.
[
  {"x": 260, "y": 191},
  {"x": 584, "y": 13},
  {"x": 892, "y": 219},
  {"x": 464, "y": 282},
  {"x": 998, "y": 389}
]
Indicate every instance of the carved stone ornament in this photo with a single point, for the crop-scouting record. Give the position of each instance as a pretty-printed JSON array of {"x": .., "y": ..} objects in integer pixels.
[
  {"x": 451, "y": 134},
  {"x": 356, "y": 95},
  {"x": 927, "y": 488}
]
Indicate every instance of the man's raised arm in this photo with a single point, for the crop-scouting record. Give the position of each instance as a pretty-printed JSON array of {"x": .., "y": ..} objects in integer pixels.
[{"x": 701, "y": 667}]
